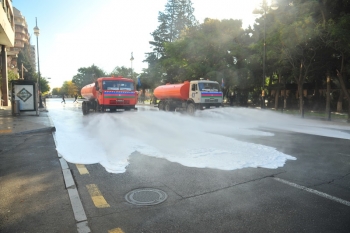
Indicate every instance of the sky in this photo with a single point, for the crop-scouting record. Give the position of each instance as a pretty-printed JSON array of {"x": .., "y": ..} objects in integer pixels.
[
  {"x": 208, "y": 140},
  {"x": 80, "y": 33}
]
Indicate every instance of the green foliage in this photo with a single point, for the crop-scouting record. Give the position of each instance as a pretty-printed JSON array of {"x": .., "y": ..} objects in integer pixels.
[
  {"x": 154, "y": 74},
  {"x": 24, "y": 58},
  {"x": 214, "y": 50},
  {"x": 177, "y": 16},
  {"x": 11, "y": 75},
  {"x": 123, "y": 71},
  {"x": 44, "y": 85},
  {"x": 56, "y": 91},
  {"x": 87, "y": 75},
  {"x": 68, "y": 88}
]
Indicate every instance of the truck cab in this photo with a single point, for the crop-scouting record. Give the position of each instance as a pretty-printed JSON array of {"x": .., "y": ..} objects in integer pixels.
[
  {"x": 189, "y": 96},
  {"x": 109, "y": 94},
  {"x": 205, "y": 93}
]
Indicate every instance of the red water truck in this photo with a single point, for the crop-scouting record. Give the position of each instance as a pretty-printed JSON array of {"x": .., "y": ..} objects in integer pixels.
[
  {"x": 189, "y": 96},
  {"x": 109, "y": 94}
]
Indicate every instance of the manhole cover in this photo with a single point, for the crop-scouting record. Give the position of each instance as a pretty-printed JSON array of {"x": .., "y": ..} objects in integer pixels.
[{"x": 146, "y": 196}]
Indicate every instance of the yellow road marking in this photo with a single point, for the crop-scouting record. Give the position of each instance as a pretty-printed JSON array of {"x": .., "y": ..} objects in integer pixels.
[
  {"x": 82, "y": 169},
  {"x": 116, "y": 230},
  {"x": 5, "y": 130},
  {"x": 96, "y": 196}
]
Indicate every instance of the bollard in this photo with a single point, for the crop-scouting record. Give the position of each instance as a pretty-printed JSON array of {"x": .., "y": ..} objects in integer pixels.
[{"x": 16, "y": 109}]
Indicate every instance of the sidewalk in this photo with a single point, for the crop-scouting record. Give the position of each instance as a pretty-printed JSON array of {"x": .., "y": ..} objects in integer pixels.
[{"x": 33, "y": 183}]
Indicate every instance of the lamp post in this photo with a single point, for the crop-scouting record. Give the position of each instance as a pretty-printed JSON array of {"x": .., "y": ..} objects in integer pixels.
[
  {"x": 37, "y": 32},
  {"x": 265, "y": 7},
  {"x": 131, "y": 59}
]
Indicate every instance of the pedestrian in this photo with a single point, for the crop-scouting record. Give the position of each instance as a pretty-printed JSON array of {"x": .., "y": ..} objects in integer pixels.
[
  {"x": 63, "y": 100},
  {"x": 75, "y": 98}
]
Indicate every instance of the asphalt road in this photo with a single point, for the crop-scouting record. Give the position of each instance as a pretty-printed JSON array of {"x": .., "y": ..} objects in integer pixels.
[{"x": 310, "y": 194}]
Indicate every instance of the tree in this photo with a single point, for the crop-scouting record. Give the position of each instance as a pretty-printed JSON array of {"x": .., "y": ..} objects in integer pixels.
[
  {"x": 214, "y": 50},
  {"x": 153, "y": 75},
  {"x": 68, "y": 88},
  {"x": 122, "y": 71},
  {"x": 176, "y": 18},
  {"x": 44, "y": 85},
  {"x": 56, "y": 91},
  {"x": 87, "y": 75},
  {"x": 11, "y": 76},
  {"x": 336, "y": 35},
  {"x": 24, "y": 58},
  {"x": 295, "y": 37}
]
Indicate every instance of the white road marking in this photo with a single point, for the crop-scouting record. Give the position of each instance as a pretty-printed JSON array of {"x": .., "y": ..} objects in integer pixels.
[
  {"x": 321, "y": 194},
  {"x": 343, "y": 154}
]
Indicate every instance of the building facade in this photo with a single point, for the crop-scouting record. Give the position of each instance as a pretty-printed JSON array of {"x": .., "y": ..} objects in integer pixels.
[
  {"x": 7, "y": 39},
  {"x": 22, "y": 39}
]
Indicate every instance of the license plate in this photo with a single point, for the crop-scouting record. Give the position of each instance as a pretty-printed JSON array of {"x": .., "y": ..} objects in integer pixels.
[{"x": 120, "y": 110}]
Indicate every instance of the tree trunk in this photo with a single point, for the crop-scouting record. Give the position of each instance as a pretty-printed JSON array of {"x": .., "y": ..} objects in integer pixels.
[
  {"x": 301, "y": 100},
  {"x": 328, "y": 98},
  {"x": 345, "y": 92},
  {"x": 340, "y": 102},
  {"x": 277, "y": 92},
  {"x": 285, "y": 94},
  {"x": 277, "y": 95},
  {"x": 300, "y": 81},
  {"x": 343, "y": 86}
]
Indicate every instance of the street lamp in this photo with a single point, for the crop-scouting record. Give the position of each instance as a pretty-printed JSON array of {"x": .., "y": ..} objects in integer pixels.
[
  {"x": 131, "y": 59},
  {"x": 37, "y": 32},
  {"x": 265, "y": 7}
]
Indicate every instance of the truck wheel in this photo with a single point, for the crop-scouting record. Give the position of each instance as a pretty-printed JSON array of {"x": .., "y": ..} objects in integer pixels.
[
  {"x": 85, "y": 108},
  {"x": 161, "y": 106},
  {"x": 98, "y": 107},
  {"x": 191, "y": 108},
  {"x": 167, "y": 107}
]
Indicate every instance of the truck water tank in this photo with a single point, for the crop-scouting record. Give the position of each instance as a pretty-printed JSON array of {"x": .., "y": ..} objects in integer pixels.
[
  {"x": 88, "y": 92},
  {"x": 173, "y": 91}
]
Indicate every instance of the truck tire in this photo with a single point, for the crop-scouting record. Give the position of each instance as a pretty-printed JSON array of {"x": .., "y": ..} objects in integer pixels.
[
  {"x": 98, "y": 107},
  {"x": 191, "y": 108},
  {"x": 167, "y": 107},
  {"x": 161, "y": 106},
  {"x": 85, "y": 108}
]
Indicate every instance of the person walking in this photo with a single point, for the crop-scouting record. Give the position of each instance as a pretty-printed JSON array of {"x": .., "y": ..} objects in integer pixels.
[
  {"x": 63, "y": 100},
  {"x": 75, "y": 98}
]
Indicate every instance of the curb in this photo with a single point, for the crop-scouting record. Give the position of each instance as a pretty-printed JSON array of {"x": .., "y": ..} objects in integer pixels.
[
  {"x": 77, "y": 206},
  {"x": 42, "y": 130}
]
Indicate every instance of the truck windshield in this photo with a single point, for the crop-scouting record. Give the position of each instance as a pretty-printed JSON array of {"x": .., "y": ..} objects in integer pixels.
[
  {"x": 209, "y": 87},
  {"x": 118, "y": 85}
]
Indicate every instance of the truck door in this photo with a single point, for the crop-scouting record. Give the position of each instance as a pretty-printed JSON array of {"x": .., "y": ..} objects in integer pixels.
[
  {"x": 194, "y": 93},
  {"x": 99, "y": 91}
]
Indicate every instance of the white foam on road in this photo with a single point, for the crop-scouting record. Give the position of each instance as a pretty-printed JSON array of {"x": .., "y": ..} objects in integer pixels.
[{"x": 204, "y": 141}]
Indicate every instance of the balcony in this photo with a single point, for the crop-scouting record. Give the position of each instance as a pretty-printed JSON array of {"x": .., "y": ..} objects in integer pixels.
[
  {"x": 21, "y": 30},
  {"x": 7, "y": 34},
  {"x": 21, "y": 23},
  {"x": 21, "y": 38}
]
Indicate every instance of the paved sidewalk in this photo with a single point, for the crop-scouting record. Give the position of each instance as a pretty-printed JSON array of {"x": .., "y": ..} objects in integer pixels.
[
  {"x": 25, "y": 122},
  {"x": 33, "y": 180}
]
